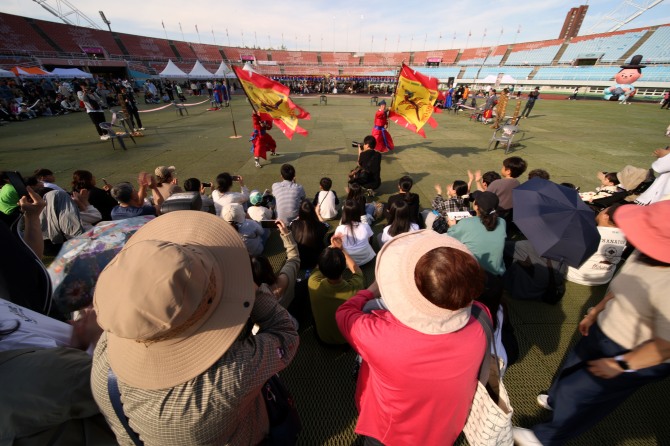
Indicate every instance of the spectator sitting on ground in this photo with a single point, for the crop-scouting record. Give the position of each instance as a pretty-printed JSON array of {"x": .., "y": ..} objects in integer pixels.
[
  {"x": 428, "y": 282},
  {"x": 600, "y": 267},
  {"x": 90, "y": 216},
  {"x": 513, "y": 167},
  {"x": 60, "y": 219},
  {"x": 258, "y": 211},
  {"x": 194, "y": 185},
  {"x": 326, "y": 200},
  {"x": 166, "y": 182},
  {"x": 405, "y": 184},
  {"x": 609, "y": 185},
  {"x": 661, "y": 185},
  {"x": 253, "y": 235},
  {"x": 538, "y": 173},
  {"x": 47, "y": 178},
  {"x": 309, "y": 231},
  {"x": 356, "y": 193},
  {"x": 355, "y": 233},
  {"x": 174, "y": 335},
  {"x": 399, "y": 221},
  {"x": 328, "y": 289},
  {"x": 101, "y": 199},
  {"x": 282, "y": 284},
  {"x": 288, "y": 194},
  {"x": 131, "y": 201},
  {"x": 458, "y": 200},
  {"x": 222, "y": 194}
]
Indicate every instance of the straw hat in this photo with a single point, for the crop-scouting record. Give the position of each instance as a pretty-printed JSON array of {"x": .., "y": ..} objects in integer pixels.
[
  {"x": 646, "y": 228},
  {"x": 174, "y": 299},
  {"x": 396, "y": 262}
]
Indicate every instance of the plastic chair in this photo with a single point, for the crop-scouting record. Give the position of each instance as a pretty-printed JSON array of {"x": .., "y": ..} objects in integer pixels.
[
  {"x": 180, "y": 108},
  {"x": 505, "y": 135},
  {"x": 109, "y": 127}
]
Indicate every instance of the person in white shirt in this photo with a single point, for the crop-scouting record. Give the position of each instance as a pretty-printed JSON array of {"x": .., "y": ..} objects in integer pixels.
[
  {"x": 399, "y": 222},
  {"x": 600, "y": 267},
  {"x": 222, "y": 195},
  {"x": 356, "y": 235},
  {"x": 326, "y": 200}
]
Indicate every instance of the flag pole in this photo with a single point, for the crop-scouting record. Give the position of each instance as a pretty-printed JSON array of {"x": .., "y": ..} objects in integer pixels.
[
  {"x": 231, "y": 103},
  {"x": 397, "y": 82},
  {"x": 232, "y": 116}
]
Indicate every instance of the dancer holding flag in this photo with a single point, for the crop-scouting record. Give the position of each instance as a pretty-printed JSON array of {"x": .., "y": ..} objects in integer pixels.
[
  {"x": 271, "y": 103},
  {"x": 260, "y": 139},
  {"x": 379, "y": 130}
]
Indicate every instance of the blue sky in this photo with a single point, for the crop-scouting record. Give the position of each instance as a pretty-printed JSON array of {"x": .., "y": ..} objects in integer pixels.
[{"x": 356, "y": 26}]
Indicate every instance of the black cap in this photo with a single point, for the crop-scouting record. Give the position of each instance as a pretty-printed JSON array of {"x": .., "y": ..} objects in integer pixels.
[
  {"x": 634, "y": 62},
  {"x": 486, "y": 201}
]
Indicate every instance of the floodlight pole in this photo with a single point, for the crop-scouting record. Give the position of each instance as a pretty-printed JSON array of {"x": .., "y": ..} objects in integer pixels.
[{"x": 107, "y": 22}]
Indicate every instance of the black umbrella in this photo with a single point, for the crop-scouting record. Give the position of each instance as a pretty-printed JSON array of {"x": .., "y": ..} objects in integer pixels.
[{"x": 556, "y": 221}]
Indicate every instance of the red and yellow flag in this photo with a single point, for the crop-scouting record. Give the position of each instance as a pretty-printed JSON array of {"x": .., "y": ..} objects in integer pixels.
[
  {"x": 413, "y": 102},
  {"x": 272, "y": 100}
]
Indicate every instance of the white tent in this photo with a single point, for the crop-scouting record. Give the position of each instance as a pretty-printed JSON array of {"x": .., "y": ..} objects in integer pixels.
[
  {"x": 491, "y": 79},
  {"x": 71, "y": 73},
  {"x": 5, "y": 73},
  {"x": 199, "y": 72},
  {"x": 172, "y": 71},
  {"x": 224, "y": 72}
]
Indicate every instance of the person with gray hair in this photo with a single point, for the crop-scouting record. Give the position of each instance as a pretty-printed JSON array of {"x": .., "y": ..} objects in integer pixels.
[{"x": 131, "y": 201}]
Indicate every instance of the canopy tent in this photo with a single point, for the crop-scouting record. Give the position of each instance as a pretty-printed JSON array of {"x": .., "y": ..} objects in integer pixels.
[
  {"x": 224, "y": 72},
  {"x": 199, "y": 72},
  {"x": 30, "y": 72},
  {"x": 171, "y": 70},
  {"x": 5, "y": 73},
  {"x": 71, "y": 73},
  {"x": 492, "y": 79}
]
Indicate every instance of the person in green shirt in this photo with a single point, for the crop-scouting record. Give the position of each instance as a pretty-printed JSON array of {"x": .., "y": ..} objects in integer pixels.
[{"x": 328, "y": 289}]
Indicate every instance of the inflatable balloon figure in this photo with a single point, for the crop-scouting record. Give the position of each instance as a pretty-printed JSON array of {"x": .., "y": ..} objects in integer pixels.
[{"x": 623, "y": 89}]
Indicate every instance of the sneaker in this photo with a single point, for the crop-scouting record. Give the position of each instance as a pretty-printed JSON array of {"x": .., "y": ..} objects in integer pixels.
[
  {"x": 142, "y": 128},
  {"x": 104, "y": 137},
  {"x": 543, "y": 401},
  {"x": 525, "y": 437},
  {"x": 275, "y": 154},
  {"x": 258, "y": 164}
]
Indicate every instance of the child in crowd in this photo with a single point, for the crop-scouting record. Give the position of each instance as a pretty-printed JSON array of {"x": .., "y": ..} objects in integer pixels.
[
  {"x": 258, "y": 211},
  {"x": 326, "y": 200},
  {"x": 512, "y": 168},
  {"x": 609, "y": 184},
  {"x": 457, "y": 200},
  {"x": 253, "y": 235},
  {"x": 400, "y": 221},
  {"x": 356, "y": 234}
]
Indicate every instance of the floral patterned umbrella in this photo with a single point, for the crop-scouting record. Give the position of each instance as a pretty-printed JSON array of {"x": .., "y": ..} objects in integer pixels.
[{"x": 74, "y": 272}]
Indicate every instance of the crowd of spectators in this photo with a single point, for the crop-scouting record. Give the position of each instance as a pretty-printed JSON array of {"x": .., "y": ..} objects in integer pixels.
[{"x": 425, "y": 284}]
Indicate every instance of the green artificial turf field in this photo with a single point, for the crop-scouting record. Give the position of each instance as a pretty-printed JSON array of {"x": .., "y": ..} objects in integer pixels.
[{"x": 572, "y": 140}]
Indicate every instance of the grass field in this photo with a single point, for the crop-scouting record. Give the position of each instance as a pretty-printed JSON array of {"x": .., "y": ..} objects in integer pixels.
[{"x": 571, "y": 139}]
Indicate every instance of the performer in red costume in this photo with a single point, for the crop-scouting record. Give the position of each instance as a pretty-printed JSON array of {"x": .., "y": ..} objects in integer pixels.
[
  {"x": 382, "y": 136},
  {"x": 261, "y": 140}
]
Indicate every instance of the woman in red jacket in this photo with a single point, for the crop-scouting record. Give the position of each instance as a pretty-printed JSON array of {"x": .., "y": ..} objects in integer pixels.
[{"x": 422, "y": 352}]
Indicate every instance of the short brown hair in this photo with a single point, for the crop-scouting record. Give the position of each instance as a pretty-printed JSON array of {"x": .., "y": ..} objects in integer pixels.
[{"x": 449, "y": 278}]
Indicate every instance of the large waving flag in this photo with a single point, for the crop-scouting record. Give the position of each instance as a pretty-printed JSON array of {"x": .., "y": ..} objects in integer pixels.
[
  {"x": 413, "y": 102},
  {"x": 272, "y": 100}
]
